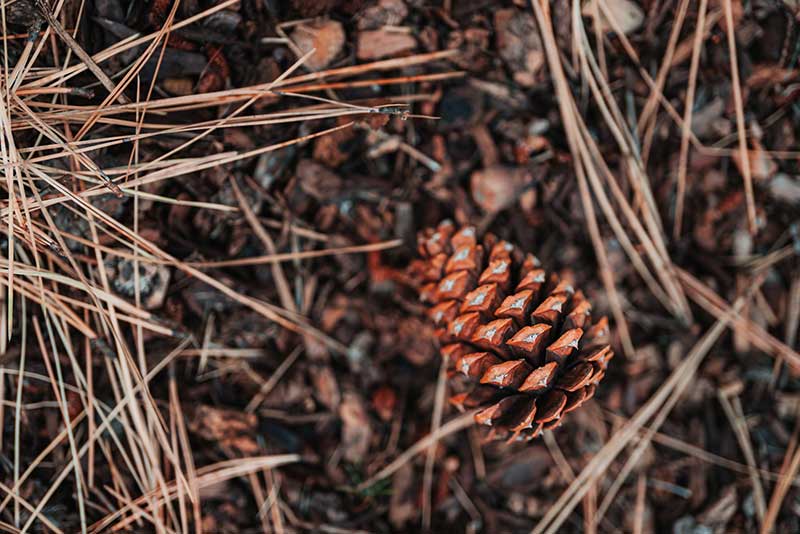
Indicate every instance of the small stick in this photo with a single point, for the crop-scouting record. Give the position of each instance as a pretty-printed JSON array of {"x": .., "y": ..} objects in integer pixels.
[
  {"x": 740, "y": 126},
  {"x": 732, "y": 407},
  {"x": 686, "y": 127},
  {"x": 74, "y": 91}
]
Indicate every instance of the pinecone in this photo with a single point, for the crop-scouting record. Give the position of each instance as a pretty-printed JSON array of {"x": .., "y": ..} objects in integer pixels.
[{"x": 526, "y": 337}]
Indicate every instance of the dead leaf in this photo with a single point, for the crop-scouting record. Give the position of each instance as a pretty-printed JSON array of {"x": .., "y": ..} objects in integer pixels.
[
  {"x": 762, "y": 166},
  {"x": 385, "y": 42},
  {"x": 785, "y": 188},
  {"x": 326, "y": 37},
  {"x": 356, "y": 429},
  {"x": 497, "y": 188},
  {"x": 326, "y": 388},
  {"x": 318, "y": 181},
  {"x": 402, "y": 505},
  {"x": 384, "y": 400},
  {"x": 386, "y": 13},
  {"x": 519, "y": 44},
  {"x": 626, "y": 15},
  {"x": 233, "y": 430}
]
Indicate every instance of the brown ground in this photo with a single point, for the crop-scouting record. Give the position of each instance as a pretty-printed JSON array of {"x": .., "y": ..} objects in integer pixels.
[{"x": 269, "y": 368}]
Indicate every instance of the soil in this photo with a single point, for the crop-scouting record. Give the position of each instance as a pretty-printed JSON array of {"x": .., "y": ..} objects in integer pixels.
[{"x": 253, "y": 356}]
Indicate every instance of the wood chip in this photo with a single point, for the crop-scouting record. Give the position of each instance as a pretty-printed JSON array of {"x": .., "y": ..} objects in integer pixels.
[
  {"x": 384, "y": 42},
  {"x": 326, "y": 37}
]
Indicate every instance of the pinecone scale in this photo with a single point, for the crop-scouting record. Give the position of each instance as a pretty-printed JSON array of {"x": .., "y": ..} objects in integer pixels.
[{"x": 520, "y": 342}]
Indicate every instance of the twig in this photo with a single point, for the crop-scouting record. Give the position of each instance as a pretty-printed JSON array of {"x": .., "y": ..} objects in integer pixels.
[
  {"x": 686, "y": 127},
  {"x": 436, "y": 423},
  {"x": 782, "y": 487},
  {"x": 65, "y": 36},
  {"x": 641, "y": 494},
  {"x": 733, "y": 411},
  {"x": 740, "y": 126}
]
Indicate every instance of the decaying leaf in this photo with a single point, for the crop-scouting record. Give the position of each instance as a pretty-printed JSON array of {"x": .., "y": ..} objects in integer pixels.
[
  {"x": 785, "y": 188},
  {"x": 385, "y": 13},
  {"x": 519, "y": 44},
  {"x": 498, "y": 187},
  {"x": 626, "y": 15},
  {"x": 235, "y": 430},
  {"x": 762, "y": 165},
  {"x": 384, "y": 42},
  {"x": 326, "y": 37},
  {"x": 356, "y": 429},
  {"x": 402, "y": 506}
]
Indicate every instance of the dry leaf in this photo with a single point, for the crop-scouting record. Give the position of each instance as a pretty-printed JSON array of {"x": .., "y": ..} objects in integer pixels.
[
  {"x": 626, "y": 15},
  {"x": 385, "y": 42},
  {"x": 327, "y": 37},
  {"x": 326, "y": 388},
  {"x": 384, "y": 401},
  {"x": 386, "y": 13},
  {"x": 232, "y": 429},
  {"x": 317, "y": 180},
  {"x": 356, "y": 430},
  {"x": 496, "y": 188},
  {"x": 785, "y": 188},
  {"x": 519, "y": 44},
  {"x": 762, "y": 166},
  {"x": 402, "y": 504}
]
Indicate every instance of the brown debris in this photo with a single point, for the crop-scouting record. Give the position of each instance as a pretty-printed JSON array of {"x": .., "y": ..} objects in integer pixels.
[
  {"x": 519, "y": 44},
  {"x": 626, "y": 14},
  {"x": 217, "y": 72},
  {"x": 384, "y": 402},
  {"x": 234, "y": 430},
  {"x": 317, "y": 180},
  {"x": 356, "y": 429},
  {"x": 325, "y": 37},
  {"x": 385, "y": 13},
  {"x": 221, "y": 385},
  {"x": 384, "y": 42},
  {"x": 498, "y": 187}
]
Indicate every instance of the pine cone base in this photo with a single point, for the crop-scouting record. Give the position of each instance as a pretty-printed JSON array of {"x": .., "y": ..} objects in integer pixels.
[{"x": 521, "y": 340}]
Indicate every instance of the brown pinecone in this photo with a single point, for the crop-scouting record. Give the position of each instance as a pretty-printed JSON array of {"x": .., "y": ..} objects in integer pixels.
[{"x": 526, "y": 337}]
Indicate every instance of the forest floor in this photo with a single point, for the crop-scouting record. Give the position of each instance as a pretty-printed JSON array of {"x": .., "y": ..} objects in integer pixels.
[{"x": 207, "y": 324}]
